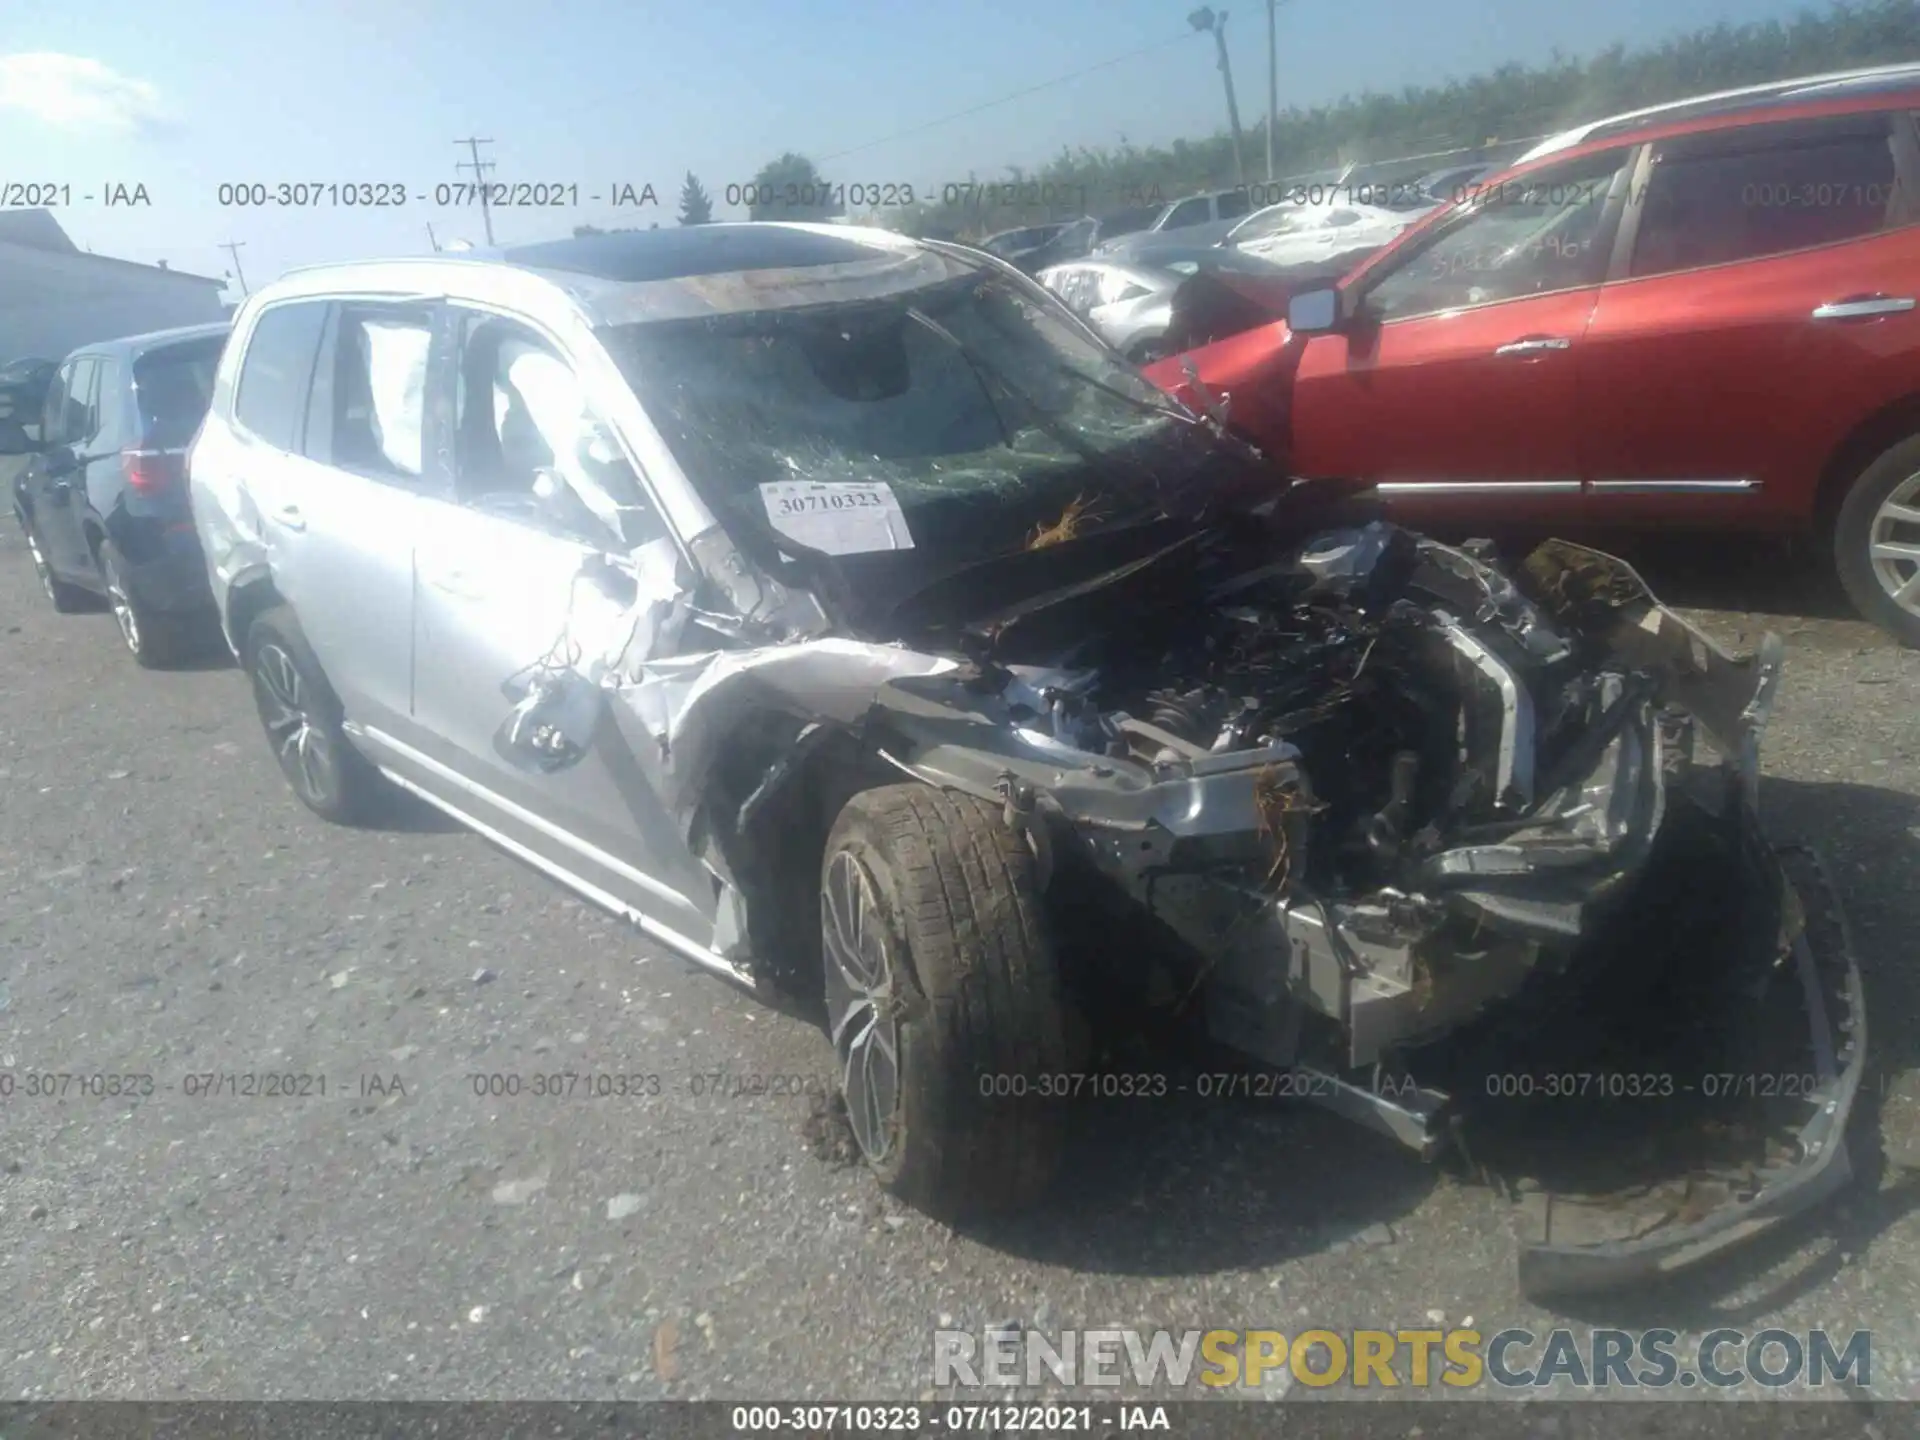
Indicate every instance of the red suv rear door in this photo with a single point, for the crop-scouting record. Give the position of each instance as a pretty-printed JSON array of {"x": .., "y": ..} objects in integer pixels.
[
  {"x": 1452, "y": 386},
  {"x": 1760, "y": 304}
]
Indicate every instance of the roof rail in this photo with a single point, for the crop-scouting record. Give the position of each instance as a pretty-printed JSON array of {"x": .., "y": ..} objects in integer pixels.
[{"x": 1568, "y": 138}]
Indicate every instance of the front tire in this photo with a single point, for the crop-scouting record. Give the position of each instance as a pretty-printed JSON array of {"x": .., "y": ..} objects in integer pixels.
[
  {"x": 943, "y": 993},
  {"x": 1876, "y": 542},
  {"x": 302, "y": 719}
]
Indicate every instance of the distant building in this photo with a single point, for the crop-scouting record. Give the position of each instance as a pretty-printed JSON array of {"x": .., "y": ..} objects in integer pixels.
[{"x": 54, "y": 296}]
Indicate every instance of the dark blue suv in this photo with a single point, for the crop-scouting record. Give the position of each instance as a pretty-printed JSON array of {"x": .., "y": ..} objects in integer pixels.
[{"x": 103, "y": 496}]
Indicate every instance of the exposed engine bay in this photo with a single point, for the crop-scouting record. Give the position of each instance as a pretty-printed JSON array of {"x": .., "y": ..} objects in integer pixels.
[{"x": 1415, "y": 728}]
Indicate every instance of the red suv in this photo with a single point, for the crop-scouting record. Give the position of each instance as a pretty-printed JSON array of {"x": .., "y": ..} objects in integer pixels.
[{"x": 1701, "y": 314}]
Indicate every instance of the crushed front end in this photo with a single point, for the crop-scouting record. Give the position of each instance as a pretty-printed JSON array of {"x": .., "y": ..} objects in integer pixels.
[{"x": 1437, "y": 842}]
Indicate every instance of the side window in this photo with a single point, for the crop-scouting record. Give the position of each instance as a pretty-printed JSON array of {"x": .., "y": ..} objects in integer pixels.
[
  {"x": 369, "y": 409},
  {"x": 1234, "y": 204},
  {"x": 276, "y": 371},
  {"x": 1763, "y": 191},
  {"x": 54, "y": 410},
  {"x": 1531, "y": 236},
  {"x": 107, "y": 412},
  {"x": 81, "y": 422},
  {"x": 1196, "y": 211},
  {"x": 529, "y": 443}
]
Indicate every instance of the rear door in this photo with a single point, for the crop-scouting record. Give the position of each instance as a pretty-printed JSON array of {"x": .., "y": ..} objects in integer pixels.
[
  {"x": 1453, "y": 387},
  {"x": 513, "y": 583},
  {"x": 1761, "y": 304},
  {"x": 331, "y": 404}
]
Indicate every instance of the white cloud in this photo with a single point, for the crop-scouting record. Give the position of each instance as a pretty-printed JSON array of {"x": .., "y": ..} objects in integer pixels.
[{"x": 75, "y": 93}]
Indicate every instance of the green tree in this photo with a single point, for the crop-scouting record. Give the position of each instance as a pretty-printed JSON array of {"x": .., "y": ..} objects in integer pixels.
[
  {"x": 792, "y": 188},
  {"x": 1490, "y": 116},
  {"x": 696, "y": 206}
]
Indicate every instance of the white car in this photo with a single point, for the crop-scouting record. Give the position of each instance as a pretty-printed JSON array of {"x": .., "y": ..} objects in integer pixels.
[
  {"x": 1292, "y": 233},
  {"x": 1130, "y": 306}
]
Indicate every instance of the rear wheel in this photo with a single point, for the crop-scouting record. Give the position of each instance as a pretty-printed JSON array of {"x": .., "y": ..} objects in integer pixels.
[
  {"x": 944, "y": 1000},
  {"x": 302, "y": 718},
  {"x": 1876, "y": 540},
  {"x": 67, "y": 599},
  {"x": 156, "y": 640}
]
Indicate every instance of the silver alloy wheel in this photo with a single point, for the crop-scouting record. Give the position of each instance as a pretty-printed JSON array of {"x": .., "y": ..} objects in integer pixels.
[
  {"x": 302, "y": 749},
  {"x": 862, "y": 1005},
  {"x": 40, "y": 566},
  {"x": 1893, "y": 544},
  {"x": 122, "y": 607}
]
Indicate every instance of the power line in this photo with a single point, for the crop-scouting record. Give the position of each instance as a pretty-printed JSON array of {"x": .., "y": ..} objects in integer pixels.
[
  {"x": 479, "y": 168},
  {"x": 1005, "y": 99}
]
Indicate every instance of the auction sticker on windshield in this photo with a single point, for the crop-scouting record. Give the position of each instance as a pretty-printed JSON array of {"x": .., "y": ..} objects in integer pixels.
[{"x": 850, "y": 519}]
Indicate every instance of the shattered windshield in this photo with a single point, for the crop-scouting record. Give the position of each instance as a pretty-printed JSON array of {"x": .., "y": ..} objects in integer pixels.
[{"x": 959, "y": 421}]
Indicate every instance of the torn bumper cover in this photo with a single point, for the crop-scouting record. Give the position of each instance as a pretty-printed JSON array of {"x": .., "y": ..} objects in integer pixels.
[
  {"x": 1575, "y": 1242},
  {"x": 1761, "y": 1089}
]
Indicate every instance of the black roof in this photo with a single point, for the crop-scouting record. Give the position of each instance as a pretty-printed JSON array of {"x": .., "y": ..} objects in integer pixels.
[
  {"x": 685, "y": 250},
  {"x": 1787, "y": 92},
  {"x": 132, "y": 347}
]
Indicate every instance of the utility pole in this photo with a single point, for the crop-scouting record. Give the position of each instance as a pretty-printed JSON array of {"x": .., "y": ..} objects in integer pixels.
[
  {"x": 1273, "y": 79},
  {"x": 479, "y": 168},
  {"x": 233, "y": 248},
  {"x": 1206, "y": 18}
]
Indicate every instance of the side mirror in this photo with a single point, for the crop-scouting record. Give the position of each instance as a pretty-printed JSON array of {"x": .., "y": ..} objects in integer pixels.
[
  {"x": 1314, "y": 312},
  {"x": 15, "y": 440}
]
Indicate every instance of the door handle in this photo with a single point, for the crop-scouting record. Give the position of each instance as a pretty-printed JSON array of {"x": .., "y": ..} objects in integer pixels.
[
  {"x": 1534, "y": 345},
  {"x": 289, "y": 516},
  {"x": 1859, "y": 307}
]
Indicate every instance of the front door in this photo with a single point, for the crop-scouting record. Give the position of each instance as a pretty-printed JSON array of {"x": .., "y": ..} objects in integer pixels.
[
  {"x": 58, "y": 484},
  {"x": 516, "y": 584},
  {"x": 1452, "y": 386}
]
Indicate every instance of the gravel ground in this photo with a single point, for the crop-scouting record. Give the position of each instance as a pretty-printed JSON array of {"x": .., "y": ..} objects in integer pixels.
[{"x": 167, "y": 908}]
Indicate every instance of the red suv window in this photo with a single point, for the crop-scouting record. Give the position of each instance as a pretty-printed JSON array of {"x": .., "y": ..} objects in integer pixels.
[
  {"x": 1765, "y": 190},
  {"x": 1544, "y": 232}
]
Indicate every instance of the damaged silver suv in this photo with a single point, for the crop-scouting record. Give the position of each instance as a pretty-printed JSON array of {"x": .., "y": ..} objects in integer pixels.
[{"x": 839, "y": 609}]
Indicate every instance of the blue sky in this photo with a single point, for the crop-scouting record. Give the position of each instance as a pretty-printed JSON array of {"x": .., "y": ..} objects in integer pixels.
[{"x": 184, "y": 96}]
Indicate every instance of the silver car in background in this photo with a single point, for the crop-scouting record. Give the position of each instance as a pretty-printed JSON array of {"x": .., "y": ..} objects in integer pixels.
[{"x": 1130, "y": 306}]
